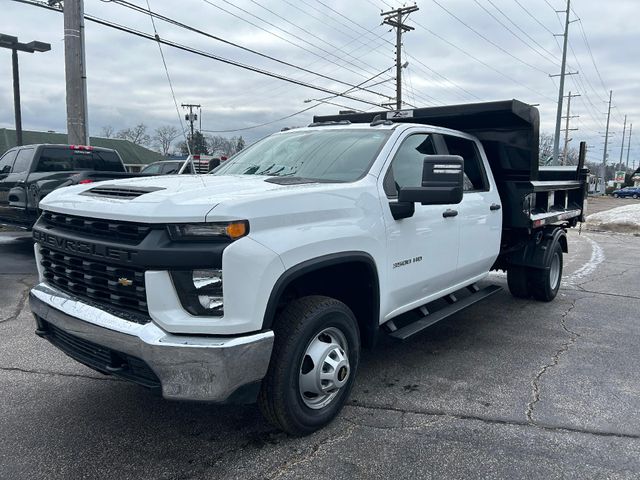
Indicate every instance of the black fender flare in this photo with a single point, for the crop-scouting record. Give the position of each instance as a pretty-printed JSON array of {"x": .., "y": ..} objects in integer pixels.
[
  {"x": 536, "y": 252},
  {"x": 371, "y": 326}
]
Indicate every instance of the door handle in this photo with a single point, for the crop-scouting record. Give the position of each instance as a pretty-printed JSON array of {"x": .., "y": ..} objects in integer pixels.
[
  {"x": 449, "y": 213},
  {"x": 494, "y": 206}
]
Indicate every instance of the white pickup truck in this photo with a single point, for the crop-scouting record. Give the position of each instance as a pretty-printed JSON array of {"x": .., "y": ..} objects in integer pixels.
[{"x": 264, "y": 279}]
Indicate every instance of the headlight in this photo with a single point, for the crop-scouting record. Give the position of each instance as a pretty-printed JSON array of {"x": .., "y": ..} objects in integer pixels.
[
  {"x": 200, "y": 291},
  {"x": 209, "y": 231}
]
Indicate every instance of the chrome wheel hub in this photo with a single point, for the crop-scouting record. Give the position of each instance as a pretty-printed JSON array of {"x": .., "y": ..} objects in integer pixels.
[{"x": 324, "y": 369}]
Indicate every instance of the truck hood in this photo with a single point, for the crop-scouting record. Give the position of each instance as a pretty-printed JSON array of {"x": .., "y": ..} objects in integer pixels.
[{"x": 170, "y": 198}]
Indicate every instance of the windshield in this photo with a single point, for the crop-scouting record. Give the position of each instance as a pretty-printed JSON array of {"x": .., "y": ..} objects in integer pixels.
[{"x": 343, "y": 155}]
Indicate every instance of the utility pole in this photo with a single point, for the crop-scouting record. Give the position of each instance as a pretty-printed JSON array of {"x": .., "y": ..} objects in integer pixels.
[
  {"x": 624, "y": 131},
  {"x": 629, "y": 145},
  {"x": 75, "y": 72},
  {"x": 11, "y": 42},
  {"x": 556, "y": 138},
  {"x": 567, "y": 129},
  {"x": 396, "y": 19},
  {"x": 191, "y": 117},
  {"x": 606, "y": 141}
]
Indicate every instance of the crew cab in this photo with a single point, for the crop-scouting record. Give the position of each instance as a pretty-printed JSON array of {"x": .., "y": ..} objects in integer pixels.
[
  {"x": 30, "y": 172},
  {"x": 265, "y": 279}
]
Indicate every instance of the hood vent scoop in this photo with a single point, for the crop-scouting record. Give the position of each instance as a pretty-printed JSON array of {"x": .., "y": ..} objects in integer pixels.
[{"x": 117, "y": 191}]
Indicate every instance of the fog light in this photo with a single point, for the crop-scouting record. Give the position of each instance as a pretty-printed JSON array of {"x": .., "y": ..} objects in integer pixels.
[
  {"x": 208, "y": 285},
  {"x": 200, "y": 291}
]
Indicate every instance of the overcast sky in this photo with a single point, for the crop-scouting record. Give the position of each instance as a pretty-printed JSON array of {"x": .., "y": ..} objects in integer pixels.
[{"x": 448, "y": 62}]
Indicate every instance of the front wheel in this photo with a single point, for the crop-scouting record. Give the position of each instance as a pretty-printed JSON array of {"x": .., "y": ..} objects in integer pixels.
[
  {"x": 615, "y": 195},
  {"x": 313, "y": 365},
  {"x": 545, "y": 282},
  {"x": 635, "y": 196}
]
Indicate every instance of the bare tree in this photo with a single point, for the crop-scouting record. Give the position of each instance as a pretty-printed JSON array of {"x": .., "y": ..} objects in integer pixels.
[
  {"x": 164, "y": 137},
  {"x": 219, "y": 145},
  {"x": 107, "y": 131},
  {"x": 137, "y": 134},
  {"x": 545, "y": 151}
]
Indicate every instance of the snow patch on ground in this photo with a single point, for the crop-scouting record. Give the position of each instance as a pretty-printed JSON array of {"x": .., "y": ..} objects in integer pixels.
[
  {"x": 621, "y": 219},
  {"x": 597, "y": 257}
]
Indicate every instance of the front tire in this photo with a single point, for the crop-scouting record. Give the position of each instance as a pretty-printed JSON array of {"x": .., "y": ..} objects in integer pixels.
[
  {"x": 635, "y": 196},
  {"x": 545, "y": 282},
  {"x": 615, "y": 195},
  {"x": 313, "y": 365}
]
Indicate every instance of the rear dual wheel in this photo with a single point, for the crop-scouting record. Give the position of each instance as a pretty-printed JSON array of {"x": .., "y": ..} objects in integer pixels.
[{"x": 540, "y": 283}]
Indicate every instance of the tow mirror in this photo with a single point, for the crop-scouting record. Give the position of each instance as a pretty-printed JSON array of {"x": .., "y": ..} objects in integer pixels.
[{"x": 442, "y": 182}]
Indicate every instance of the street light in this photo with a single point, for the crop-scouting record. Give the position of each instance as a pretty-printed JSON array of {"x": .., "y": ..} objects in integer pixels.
[{"x": 11, "y": 42}]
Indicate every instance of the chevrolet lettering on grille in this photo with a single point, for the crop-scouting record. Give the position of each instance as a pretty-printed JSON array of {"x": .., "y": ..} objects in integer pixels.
[{"x": 82, "y": 247}]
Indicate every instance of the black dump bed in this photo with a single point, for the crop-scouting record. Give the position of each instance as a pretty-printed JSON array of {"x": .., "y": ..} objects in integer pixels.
[{"x": 532, "y": 196}]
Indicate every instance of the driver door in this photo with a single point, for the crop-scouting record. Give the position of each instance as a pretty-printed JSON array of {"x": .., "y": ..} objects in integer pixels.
[{"x": 422, "y": 249}]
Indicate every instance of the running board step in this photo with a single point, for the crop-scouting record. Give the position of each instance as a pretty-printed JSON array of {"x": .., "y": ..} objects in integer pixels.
[{"x": 412, "y": 329}]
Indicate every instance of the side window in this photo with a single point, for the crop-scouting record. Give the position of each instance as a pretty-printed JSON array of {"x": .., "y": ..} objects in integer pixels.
[
  {"x": 475, "y": 178},
  {"x": 170, "y": 168},
  {"x": 6, "y": 161},
  {"x": 152, "y": 169},
  {"x": 23, "y": 160},
  {"x": 406, "y": 166}
]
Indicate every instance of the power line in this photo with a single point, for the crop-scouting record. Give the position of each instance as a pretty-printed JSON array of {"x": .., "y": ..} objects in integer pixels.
[
  {"x": 202, "y": 53},
  {"x": 490, "y": 67},
  {"x": 353, "y": 38},
  {"x": 380, "y": 41},
  {"x": 510, "y": 30},
  {"x": 171, "y": 21},
  {"x": 297, "y": 37},
  {"x": 329, "y": 44},
  {"x": 166, "y": 70},
  {"x": 525, "y": 33},
  {"x": 487, "y": 39},
  {"x": 534, "y": 17},
  {"x": 263, "y": 124}
]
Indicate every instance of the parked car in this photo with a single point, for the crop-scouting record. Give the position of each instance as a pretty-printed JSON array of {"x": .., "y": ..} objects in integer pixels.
[
  {"x": 30, "y": 172},
  {"x": 264, "y": 279},
  {"x": 625, "y": 192},
  {"x": 165, "y": 167},
  {"x": 202, "y": 164}
]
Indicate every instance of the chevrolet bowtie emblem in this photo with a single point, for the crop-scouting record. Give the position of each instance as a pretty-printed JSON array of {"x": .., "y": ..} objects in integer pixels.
[{"x": 125, "y": 282}]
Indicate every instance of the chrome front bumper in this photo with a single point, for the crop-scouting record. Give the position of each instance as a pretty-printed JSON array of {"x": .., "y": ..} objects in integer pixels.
[{"x": 188, "y": 367}]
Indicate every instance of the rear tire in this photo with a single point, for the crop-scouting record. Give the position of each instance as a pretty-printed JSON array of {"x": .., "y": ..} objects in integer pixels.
[
  {"x": 313, "y": 365},
  {"x": 518, "y": 281},
  {"x": 545, "y": 282},
  {"x": 635, "y": 196}
]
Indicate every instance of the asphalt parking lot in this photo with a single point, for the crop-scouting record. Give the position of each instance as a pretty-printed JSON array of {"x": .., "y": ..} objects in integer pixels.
[{"x": 506, "y": 389}]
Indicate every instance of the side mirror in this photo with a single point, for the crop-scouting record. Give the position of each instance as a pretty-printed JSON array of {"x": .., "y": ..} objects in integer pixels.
[{"x": 442, "y": 182}]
